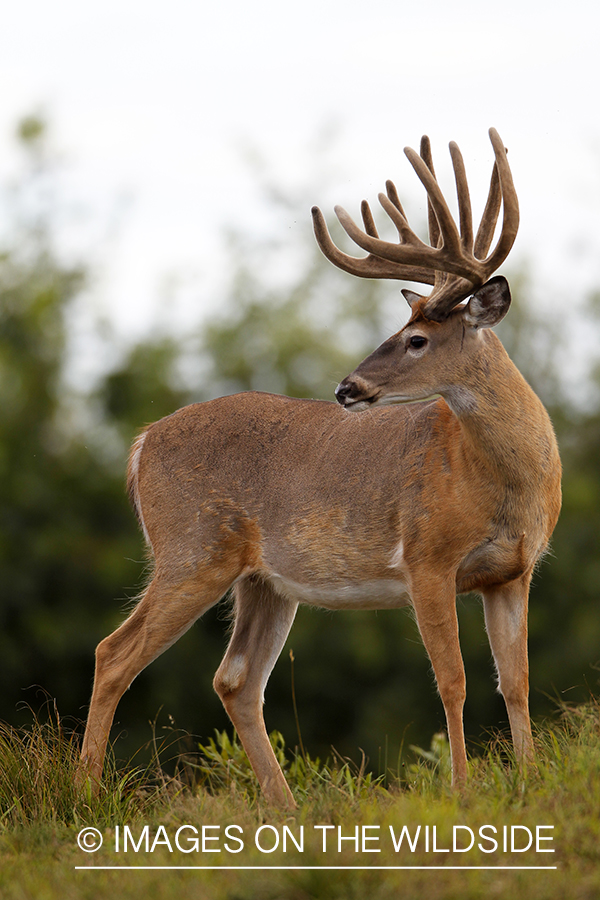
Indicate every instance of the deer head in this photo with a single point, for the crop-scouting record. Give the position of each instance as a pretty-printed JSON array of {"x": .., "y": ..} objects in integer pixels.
[{"x": 434, "y": 351}]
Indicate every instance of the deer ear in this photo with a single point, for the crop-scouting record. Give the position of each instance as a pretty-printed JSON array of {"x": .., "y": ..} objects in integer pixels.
[
  {"x": 489, "y": 304},
  {"x": 411, "y": 297}
]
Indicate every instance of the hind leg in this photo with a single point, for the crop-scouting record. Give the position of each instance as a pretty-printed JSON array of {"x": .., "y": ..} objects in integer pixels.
[
  {"x": 167, "y": 609},
  {"x": 263, "y": 620}
]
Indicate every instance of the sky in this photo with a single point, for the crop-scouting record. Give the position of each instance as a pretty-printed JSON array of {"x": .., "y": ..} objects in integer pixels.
[{"x": 152, "y": 104}]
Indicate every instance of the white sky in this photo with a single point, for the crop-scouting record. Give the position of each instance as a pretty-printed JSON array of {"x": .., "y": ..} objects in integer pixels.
[{"x": 152, "y": 100}]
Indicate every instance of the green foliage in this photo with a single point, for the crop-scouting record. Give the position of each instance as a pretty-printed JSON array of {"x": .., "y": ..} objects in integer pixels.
[
  {"x": 38, "y": 831},
  {"x": 62, "y": 523},
  {"x": 142, "y": 388},
  {"x": 223, "y": 765},
  {"x": 299, "y": 335},
  {"x": 68, "y": 542},
  {"x": 39, "y": 784},
  {"x": 438, "y": 754},
  {"x": 282, "y": 343}
]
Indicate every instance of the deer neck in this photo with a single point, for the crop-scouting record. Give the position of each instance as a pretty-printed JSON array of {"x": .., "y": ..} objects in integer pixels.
[{"x": 504, "y": 424}]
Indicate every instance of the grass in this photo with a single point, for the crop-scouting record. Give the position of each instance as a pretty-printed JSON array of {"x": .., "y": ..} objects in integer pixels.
[{"x": 212, "y": 796}]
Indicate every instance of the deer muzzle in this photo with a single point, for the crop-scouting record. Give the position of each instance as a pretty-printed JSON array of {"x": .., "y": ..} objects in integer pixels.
[{"x": 355, "y": 393}]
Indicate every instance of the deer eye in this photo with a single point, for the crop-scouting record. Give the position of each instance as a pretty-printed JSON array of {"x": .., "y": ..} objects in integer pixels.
[{"x": 417, "y": 341}]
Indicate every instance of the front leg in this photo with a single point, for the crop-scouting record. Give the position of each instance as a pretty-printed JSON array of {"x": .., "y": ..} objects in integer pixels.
[
  {"x": 505, "y": 610},
  {"x": 434, "y": 601}
]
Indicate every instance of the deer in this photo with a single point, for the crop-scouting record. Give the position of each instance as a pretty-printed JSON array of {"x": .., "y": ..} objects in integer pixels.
[{"x": 435, "y": 473}]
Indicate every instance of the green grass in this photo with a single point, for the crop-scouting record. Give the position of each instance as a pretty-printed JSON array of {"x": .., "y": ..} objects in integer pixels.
[{"x": 41, "y": 814}]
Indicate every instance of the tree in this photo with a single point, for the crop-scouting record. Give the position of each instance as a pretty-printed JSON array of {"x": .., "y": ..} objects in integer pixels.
[{"x": 67, "y": 539}]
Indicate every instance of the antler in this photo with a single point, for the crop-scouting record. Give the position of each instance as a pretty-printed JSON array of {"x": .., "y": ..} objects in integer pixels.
[{"x": 455, "y": 262}]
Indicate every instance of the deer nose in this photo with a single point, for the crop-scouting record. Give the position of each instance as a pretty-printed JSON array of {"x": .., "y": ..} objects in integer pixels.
[{"x": 343, "y": 392}]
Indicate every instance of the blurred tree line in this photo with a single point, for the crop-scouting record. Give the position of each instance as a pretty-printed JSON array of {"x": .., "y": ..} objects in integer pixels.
[{"x": 72, "y": 558}]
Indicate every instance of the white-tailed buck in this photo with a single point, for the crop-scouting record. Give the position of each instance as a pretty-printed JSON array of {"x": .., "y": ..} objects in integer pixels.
[{"x": 299, "y": 501}]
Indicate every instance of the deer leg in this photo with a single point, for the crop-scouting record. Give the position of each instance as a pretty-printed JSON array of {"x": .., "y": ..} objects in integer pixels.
[
  {"x": 166, "y": 610},
  {"x": 263, "y": 620},
  {"x": 435, "y": 608},
  {"x": 505, "y": 609}
]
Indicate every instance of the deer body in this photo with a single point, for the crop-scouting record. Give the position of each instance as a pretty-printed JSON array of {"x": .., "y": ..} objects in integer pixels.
[
  {"x": 300, "y": 501},
  {"x": 417, "y": 476}
]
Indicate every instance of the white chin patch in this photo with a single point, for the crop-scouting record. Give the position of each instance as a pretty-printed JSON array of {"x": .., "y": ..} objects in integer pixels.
[
  {"x": 397, "y": 399},
  {"x": 358, "y": 406}
]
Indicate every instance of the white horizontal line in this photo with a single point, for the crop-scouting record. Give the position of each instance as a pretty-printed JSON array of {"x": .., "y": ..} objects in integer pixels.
[{"x": 306, "y": 868}]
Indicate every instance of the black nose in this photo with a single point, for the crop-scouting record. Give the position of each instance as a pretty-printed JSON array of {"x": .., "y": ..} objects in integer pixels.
[{"x": 343, "y": 392}]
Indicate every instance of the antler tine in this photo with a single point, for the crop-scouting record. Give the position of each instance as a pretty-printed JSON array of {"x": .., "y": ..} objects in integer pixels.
[
  {"x": 435, "y": 238},
  {"x": 464, "y": 198},
  {"x": 370, "y": 266},
  {"x": 392, "y": 193},
  {"x": 487, "y": 226},
  {"x": 510, "y": 219},
  {"x": 449, "y": 232},
  {"x": 367, "y": 217}
]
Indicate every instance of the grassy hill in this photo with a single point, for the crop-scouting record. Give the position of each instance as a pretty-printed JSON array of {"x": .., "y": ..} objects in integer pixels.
[{"x": 533, "y": 834}]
